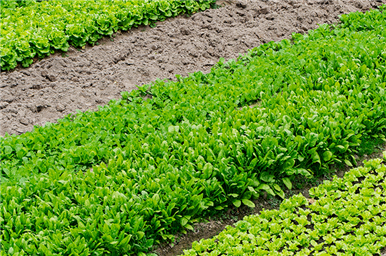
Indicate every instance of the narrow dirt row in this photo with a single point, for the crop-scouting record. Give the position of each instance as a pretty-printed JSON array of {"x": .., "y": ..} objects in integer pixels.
[
  {"x": 59, "y": 85},
  {"x": 214, "y": 226}
]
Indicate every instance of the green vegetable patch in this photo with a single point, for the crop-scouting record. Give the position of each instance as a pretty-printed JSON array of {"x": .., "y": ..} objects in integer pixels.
[
  {"x": 32, "y": 29},
  {"x": 123, "y": 179},
  {"x": 345, "y": 216}
]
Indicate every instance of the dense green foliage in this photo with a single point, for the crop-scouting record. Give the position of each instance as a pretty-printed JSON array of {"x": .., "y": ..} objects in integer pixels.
[
  {"x": 18, "y": 3},
  {"x": 347, "y": 216},
  {"x": 133, "y": 173},
  {"x": 35, "y": 29}
]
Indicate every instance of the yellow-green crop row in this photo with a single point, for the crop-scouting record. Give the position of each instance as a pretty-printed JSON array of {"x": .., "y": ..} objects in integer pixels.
[
  {"x": 344, "y": 217},
  {"x": 37, "y": 29}
]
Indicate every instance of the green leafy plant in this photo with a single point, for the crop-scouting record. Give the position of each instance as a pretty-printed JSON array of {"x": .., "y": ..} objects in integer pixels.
[
  {"x": 37, "y": 28},
  {"x": 288, "y": 232},
  {"x": 130, "y": 175}
]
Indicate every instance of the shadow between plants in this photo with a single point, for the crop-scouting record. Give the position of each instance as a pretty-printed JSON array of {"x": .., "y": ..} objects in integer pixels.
[{"x": 215, "y": 224}]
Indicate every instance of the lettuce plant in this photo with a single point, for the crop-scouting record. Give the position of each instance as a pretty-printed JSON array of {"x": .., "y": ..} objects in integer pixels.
[
  {"x": 32, "y": 29},
  {"x": 268, "y": 233}
]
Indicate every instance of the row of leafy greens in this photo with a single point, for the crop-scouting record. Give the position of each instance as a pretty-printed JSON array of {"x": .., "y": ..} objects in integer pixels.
[
  {"x": 130, "y": 175},
  {"x": 18, "y": 3},
  {"x": 32, "y": 29},
  {"x": 346, "y": 216}
]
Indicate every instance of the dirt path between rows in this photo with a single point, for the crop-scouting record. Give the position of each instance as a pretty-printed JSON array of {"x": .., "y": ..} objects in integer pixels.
[
  {"x": 58, "y": 85},
  {"x": 217, "y": 224}
]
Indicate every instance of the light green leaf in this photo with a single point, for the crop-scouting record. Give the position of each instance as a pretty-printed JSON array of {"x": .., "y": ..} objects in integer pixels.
[
  {"x": 267, "y": 177},
  {"x": 276, "y": 187},
  {"x": 253, "y": 163},
  {"x": 327, "y": 156},
  {"x": 236, "y": 203},
  {"x": 184, "y": 221},
  {"x": 348, "y": 162},
  {"x": 287, "y": 182},
  {"x": 304, "y": 172},
  {"x": 267, "y": 189},
  {"x": 189, "y": 227},
  {"x": 7, "y": 150},
  {"x": 315, "y": 158},
  {"x": 248, "y": 203}
]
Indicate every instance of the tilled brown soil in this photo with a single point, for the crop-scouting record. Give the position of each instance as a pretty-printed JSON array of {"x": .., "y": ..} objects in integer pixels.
[{"x": 58, "y": 85}]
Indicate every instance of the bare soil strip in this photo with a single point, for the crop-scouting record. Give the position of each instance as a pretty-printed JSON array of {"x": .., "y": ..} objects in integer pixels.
[{"x": 58, "y": 85}]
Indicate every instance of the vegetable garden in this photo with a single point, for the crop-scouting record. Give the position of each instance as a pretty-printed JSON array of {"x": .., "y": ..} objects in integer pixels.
[
  {"x": 347, "y": 218},
  {"x": 38, "y": 29},
  {"x": 129, "y": 176}
]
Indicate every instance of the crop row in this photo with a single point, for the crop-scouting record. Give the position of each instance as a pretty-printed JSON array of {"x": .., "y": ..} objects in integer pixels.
[
  {"x": 346, "y": 216},
  {"x": 125, "y": 177},
  {"x": 38, "y": 29},
  {"x": 18, "y": 3}
]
